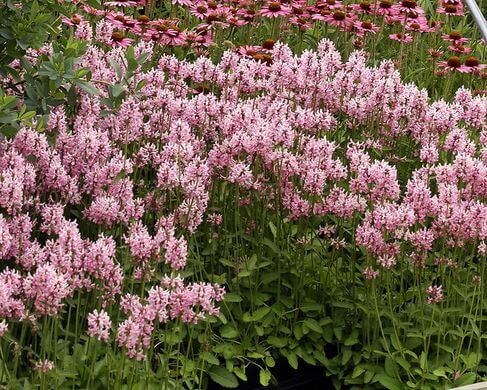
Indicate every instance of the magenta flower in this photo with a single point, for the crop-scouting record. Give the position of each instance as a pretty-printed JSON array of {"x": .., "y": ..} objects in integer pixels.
[
  {"x": 473, "y": 64},
  {"x": 75, "y": 20},
  {"x": 118, "y": 40},
  {"x": 406, "y": 38},
  {"x": 451, "y": 10},
  {"x": 363, "y": 28},
  {"x": 121, "y": 3},
  {"x": 454, "y": 64},
  {"x": 274, "y": 9},
  {"x": 454, "y": 37}
]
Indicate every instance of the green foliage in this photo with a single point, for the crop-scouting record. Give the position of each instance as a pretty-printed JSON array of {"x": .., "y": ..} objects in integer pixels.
[{"x": 25, "y": 24}]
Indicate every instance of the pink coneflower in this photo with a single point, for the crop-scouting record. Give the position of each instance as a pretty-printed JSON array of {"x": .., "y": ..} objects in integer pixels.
[
  {"x": 93, "y": 11},
  {"x": 409, "y": 7},
  {"x": 304, "y": 23},
  {"x": 249, "y": 51},
  {"x": 364, "y": 7},
  {"x": 235, "y": 20},
  {"x": 321, "y": 15},
  {"x": 119, "y": 40},
  {"x": 121, "y": 3},
  {"x": 453, "y": 63},
  {"x": 200, "y": 10},
  {"x": 142, "y": 23},
  {"x": 120, "y": 20},
  {"x": 455, "y": 37},
  {"x": 216, "y": 20},
  {"x": 173, "y": 37},
  {"x": 436, "y": 25},
  {"x": 365, "y": 27},
  {"x": 460, "y": 49},
  {"x": 385, "y": 8},
  {"x": 341, "y": 19},
  {"x": 451, "y": 10},
  {"x": 435, "y": 53},
  {"x": 418, "y": 26},
  {"x": 201, "y": 38},
  {"x": 275, "y": 9},
  {"x": 263, "y": 57},
  {"x": 298, "y": 10},
  {"x": 329, "y": 4},
  {"x": 473, "y": 64},
  {"x": 247, "y": 14},
  {"x": 406, "y": 38},
  {"x": 74, "y": 20},
  {"x": 268, "y": 45}
]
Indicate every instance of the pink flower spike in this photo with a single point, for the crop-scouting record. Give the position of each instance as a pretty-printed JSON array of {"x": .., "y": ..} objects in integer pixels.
[
  {"x": 43, "y": 366},
  {"x": 435, "y": 294},
  {"x": 99, "y": 325},
  {"x": 3, "y": 328}
]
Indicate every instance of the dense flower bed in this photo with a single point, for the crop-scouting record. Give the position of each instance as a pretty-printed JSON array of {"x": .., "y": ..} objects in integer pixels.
[{"x": 175, "y": 215}]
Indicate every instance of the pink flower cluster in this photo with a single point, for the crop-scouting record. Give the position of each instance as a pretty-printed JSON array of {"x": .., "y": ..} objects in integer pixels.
[
  {"x": 99, "y": 325},
  {"x": 311, "y": 134},
  {"x": 435, "y": 294},
  {"x": 191, "y": 303}
]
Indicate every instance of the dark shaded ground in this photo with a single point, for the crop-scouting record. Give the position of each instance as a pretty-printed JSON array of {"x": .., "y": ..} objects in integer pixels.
[{"x": 306, "y": 377}]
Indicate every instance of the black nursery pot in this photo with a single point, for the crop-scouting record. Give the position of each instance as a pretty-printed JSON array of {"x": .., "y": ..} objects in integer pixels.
[{"x": 305, "y": 377}]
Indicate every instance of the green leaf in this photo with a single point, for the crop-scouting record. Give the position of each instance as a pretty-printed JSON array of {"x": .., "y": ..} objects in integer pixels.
[
  {"x": 240, "y": 372},
  {"x": 277, "y": 342},
  {"x": 390, "y": 367},
  {"x": 368, "y": 376},
  {"x": 232, "y": 297},
  {"x": 269, "y": 361},
  {"x": 223, "y": 377},
  {"x": 117, "y": 90},
  {"x": 273, "y": 229},
  {"x": 390, "y": 383},
  {"x": 210, "y": 358},
  {"x": 357, "y": 371},
  {"x": 466, "y": 379},
  {"x": 87, "y": 87},
  {"x": 264, "y": 377},
  {"x": 423, "y": 360},
  {"x": 347, "y": 355},
  {"x": 402, "y": 362},
  {"x": 116, "y": 66},
  {"x": 255, "y": 355},
  {"x": 292, "y": 360},
  {"x": 228, "y": 331},
  {"x": 313, "y": 325},
  {"x": 260, "y": 313}
]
